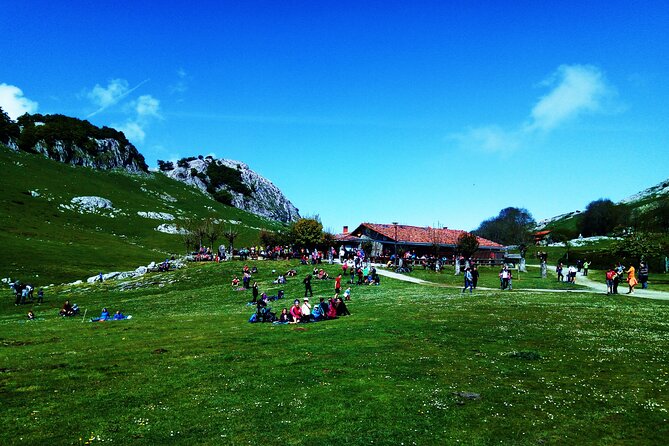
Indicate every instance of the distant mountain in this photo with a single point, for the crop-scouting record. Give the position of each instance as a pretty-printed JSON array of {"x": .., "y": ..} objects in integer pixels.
[
  {"x": 71, "y": 141},
  {"x": 233, "y": 183},
  {"x": 80, "y": 143}
]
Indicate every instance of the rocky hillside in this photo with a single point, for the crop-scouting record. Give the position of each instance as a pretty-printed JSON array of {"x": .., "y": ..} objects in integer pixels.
[
  {"x": 233, "y": 183},
  {"x": 71, "y": 141}
]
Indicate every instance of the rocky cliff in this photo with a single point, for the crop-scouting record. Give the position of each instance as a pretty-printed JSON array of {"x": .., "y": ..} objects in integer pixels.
[
  {"x": 234, "y": 183},
  {"x": 72, "y": 141}
]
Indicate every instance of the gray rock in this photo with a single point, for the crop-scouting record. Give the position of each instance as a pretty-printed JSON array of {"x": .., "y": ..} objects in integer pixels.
[{"x": 266, "y": 199}]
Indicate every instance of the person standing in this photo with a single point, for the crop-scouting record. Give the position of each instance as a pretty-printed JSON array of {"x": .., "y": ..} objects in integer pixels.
[
  {"x": 338, "y": 284},
  {"x": 643, "y": 275},
  {"x": 631, "y": 279},
  {"x": 469, "y": 283},
  {"x": 254, "y": 289},
  {"x": 586, "y": 265},
  {"x": 558, "y": 270},
  {"x": 475, "y": 276},
  {"x": 307, "y": 286},
  {"x": 610, "y": 275}
]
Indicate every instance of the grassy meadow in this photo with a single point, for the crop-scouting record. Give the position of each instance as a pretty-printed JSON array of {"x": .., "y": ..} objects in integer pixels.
[
  {"x": 413, "y": 364},
  {"x": 45, "y": 242}
]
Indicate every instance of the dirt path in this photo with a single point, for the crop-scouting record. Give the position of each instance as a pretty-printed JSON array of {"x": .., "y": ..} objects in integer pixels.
[{"x": 592, "y": 286}]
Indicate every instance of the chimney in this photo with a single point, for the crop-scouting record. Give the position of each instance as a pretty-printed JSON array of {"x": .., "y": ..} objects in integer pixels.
[{"x": 345, "y": 231}]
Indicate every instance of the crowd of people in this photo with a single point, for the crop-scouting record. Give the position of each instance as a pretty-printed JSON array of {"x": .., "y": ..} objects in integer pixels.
[{"x": 616, "y": 273}]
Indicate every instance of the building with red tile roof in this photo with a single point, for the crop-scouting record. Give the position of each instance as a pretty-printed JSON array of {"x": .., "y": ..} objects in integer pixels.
[{"x": 420, "y": 239}]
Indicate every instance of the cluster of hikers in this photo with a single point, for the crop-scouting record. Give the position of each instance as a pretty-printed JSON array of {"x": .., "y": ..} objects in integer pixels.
[
  {"x": 570, "y": 277},
  {"x": 616, "y": 272},
  {"x": 25, "y": 293}
]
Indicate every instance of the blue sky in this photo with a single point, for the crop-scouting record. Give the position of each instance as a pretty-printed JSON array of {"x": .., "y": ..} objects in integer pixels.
[{"x": 424, "y": 112}]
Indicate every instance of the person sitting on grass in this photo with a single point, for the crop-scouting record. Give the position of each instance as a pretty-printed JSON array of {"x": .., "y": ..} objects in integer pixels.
[
  {"x": 324, "y": 307},
  {"x": 291, "y": 273},
  {"x": 295, "y": 312},
  {"x": 332, "y": 307},
  {"x": 31, "y": 315},
  {"x": 284, "y": 317},
  {"x": 235, "y": 281},
  {"x": 341, "y": 308},
  {"x": 306, "y": 310},
  {"x": 118, "y": 316},
  {"x": 67, "y": 310},
  {"x": 317, "y": 313}
]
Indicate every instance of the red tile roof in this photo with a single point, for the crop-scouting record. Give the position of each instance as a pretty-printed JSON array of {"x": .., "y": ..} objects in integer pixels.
[{"x": 419, "y": 234}]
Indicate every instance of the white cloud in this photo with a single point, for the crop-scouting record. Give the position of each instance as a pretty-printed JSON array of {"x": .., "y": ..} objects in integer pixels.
[
  {"x": 147, "y": 106},
  {"x": 133, "y": 131},
  {"x": 488, "y": 138},
  {"x": 14, "y": 103},
  {"x": 182, "y": 84},
  {"x": 576, "y": 89},
  {"x": 110, "y": 95},
  {"x": 144, "y": 110},
  {"x": 116, "y": 90}
]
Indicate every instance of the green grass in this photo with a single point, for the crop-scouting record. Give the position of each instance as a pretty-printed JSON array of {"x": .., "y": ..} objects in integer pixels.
[
  {"x": 489, "y": 278},
  {"x": 559, "y": 368},
  {"x": 44, "y": 243}
]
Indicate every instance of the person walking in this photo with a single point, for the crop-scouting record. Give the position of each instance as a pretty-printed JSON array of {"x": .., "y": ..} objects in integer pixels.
[
  {"x": 631, "y": 279},
  {"x": 307, "y": 286},
  {"x": 475, "y": 276},
  {"x": 469, "y": 283}
]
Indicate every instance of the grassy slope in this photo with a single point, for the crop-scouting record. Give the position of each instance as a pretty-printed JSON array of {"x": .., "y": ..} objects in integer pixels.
[
  {"x": 45, "y": 244},
  {"x": 189, "y": 369}
]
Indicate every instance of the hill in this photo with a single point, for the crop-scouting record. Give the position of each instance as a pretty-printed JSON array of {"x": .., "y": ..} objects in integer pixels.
[
  {"x": 51, "y": 232},
  {"x": 646, "y": 208},
  {"x": 235, "y": 184}
]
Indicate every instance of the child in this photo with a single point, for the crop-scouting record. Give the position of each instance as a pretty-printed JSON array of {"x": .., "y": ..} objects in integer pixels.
[{"x": 347, "y": 294}]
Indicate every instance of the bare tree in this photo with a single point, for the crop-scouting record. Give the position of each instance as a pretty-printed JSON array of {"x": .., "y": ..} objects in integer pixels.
[
  {"x": 230, "y": 235},
  {"x": 185, "y": 228},
  {"x": 213, "y": 231}
]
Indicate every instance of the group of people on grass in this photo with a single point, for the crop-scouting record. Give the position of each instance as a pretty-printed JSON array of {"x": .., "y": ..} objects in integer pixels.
[
  {"x": 471, "y": 277},
  {"x": 570, "y": 277},
  {"x": 616, "y": 272},
  {"x": 105, "y": 316},
  {"x": 25, "y": 293}
]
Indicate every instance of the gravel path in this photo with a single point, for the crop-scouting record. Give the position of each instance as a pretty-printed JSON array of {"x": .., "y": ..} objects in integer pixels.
[{"x": 593, "y": 287}]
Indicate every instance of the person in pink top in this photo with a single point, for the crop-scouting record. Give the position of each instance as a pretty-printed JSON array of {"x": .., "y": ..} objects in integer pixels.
[{"x": 295, "y": 312}]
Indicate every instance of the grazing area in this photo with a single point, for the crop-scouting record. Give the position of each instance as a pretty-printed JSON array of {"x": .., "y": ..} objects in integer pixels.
[
  {"x": 51, "y": 238},
  {"x": 413, "y": 364}
]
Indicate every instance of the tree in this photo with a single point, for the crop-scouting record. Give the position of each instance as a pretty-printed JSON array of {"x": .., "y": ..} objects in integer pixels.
[
  {"x": 601, "y": 217},
  {"x": 639, "y": 246},
  {"x": 306, "y": 232},
  {"x": 164, "y": 166},
  {"x": 467, "y": 245},
  {"x": 185, "y": 228},
  {"x": 9, "y": 130},
  {"x": 212, "y": 231},
  {"x": 512, "y": 226},
  {"x": 230, "y": 235}
]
